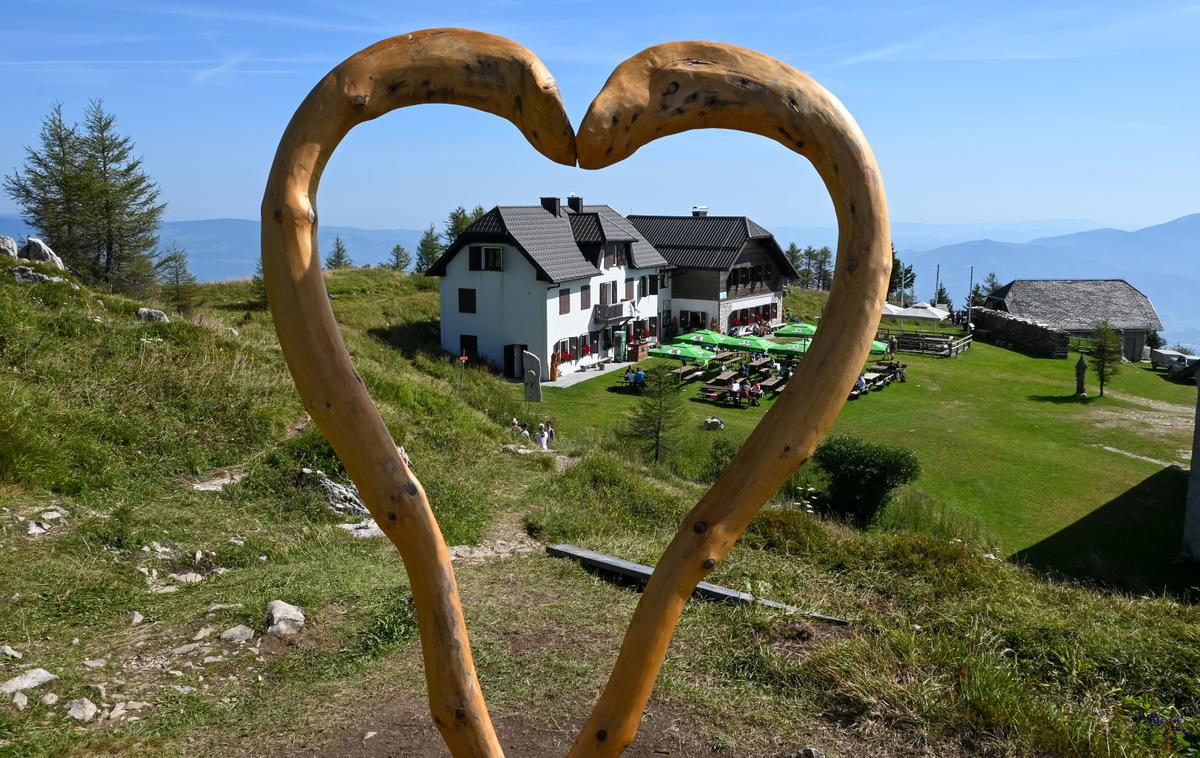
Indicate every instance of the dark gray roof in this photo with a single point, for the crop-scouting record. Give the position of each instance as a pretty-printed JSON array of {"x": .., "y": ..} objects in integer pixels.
[
  {"x": 617, "y": 228},
  {"x": 546, "y": 240},
  {"x": 586, "y": 228},
  {"x": 1077, "y": 305},
  {"x": 712, "y": 242}
]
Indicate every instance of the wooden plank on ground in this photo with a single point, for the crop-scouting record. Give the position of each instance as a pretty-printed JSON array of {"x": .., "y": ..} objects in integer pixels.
[{"x": 640, "y": 574}]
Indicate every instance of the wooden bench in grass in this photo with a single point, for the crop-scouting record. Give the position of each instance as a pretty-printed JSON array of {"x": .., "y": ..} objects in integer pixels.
[
  {"x": 760, "y": 365},
  {"x": 774, "y": 384},
  {"x": 723, "y": 379}
]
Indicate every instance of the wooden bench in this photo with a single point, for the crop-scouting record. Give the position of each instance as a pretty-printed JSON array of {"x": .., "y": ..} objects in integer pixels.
[
  {"x": 723, "y": 379},
  {"x": 686, "y": 373},
  {"x": 761, "y": 364},
  {"x": 774, "y": 384}
]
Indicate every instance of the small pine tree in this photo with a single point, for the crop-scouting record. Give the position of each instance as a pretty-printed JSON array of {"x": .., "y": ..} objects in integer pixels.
[
  {"x": 258, "y": 285},
  {"x": 177, "y": 284},
  {"x": 401, "y": 259},
  {"x": 1106, "y": 354},
  {"x": 794, "y": 256},
  {"x": 941, "y": 296},
  {"x": 991, "y": 283},
  {"x": 429, "y": 249},
  {"x": 338, "y": 257},
  {"x": 823, "y": 268},
  {"x": 1155, "y": 341},
  {"x": 656, "y": 418},
  {"x": 977, "y": 297}
]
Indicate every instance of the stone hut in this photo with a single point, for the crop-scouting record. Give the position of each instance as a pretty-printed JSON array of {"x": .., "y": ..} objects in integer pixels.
[{"x": 1076, "y": 306}]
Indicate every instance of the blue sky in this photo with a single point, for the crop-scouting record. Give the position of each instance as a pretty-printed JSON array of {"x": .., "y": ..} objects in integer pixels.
[{"x": 997, "y": 112}]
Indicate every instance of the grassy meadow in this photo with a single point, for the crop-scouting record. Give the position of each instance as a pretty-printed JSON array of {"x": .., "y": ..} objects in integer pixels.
[{"x": 952, "y": 650}]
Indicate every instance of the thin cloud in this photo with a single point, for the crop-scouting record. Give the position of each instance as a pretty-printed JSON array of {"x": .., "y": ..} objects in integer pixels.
[{"x": 227, "y": 65}]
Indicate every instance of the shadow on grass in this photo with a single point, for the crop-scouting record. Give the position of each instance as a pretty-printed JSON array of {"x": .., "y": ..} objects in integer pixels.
[
  {"x": 1131, "y": 543},
  {"x": 248, "y": 305},
  {"x": 411, "y": 338},
  {"x": 1062, "y": 399}
]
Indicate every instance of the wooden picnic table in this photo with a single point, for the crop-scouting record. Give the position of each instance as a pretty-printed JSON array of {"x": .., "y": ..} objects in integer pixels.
[
  {"x": 774, "y": 384},
  {"x": 761, "y": 363},
  {"x": 723, "y": 379},
  {"x": 726, "y": 357},
  {"x": 687, "y": 373}
]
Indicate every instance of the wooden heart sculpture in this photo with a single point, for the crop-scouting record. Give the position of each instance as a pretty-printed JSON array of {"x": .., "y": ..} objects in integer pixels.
[{"x": 664, "y": 90}]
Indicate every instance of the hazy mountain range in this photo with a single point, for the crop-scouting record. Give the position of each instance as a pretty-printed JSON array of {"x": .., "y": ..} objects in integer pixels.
[{"x": 1163, "y": 260}]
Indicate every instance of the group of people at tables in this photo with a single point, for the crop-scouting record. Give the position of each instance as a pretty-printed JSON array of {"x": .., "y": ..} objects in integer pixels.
[{"x": 740, "y": 388}]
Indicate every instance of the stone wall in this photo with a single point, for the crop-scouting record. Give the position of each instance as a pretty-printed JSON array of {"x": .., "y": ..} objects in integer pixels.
[{"x": 1006, "y": 330}]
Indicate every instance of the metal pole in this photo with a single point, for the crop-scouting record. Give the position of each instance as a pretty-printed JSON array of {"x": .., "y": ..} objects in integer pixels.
[{"x": 970, "y": 298}]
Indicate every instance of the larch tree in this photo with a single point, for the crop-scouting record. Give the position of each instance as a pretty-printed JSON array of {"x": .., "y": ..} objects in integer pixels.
[
  {"x": 121, "y": 208},
  {"x": 429, "y": 249},
  {"x": 338, "y": 256},
  {"x": 1106, "y": 357},
  {"x": 822, "y": 268},
  {"x": 400, "y": 259},
  {"x": 991, "y": 283},
  {"x": 457, "y": 222},
  {"x": 50, "y": 189},
  {"x": 177, "y": 284},
  {"x": 653, "y": 426}
]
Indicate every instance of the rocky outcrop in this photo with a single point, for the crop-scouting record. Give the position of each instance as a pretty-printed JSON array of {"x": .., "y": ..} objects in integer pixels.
[
  {"x": 40, "y": 252},
  {"x": 26, "y": 275},
  {"x": 8, "y": 247},
  {"x": 150, "y": 314},
  {"x": 1006, "y": 330},
  {"x": 342, "y": 498}
]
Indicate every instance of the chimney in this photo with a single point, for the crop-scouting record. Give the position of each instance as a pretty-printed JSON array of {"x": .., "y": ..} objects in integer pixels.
[
  {"x": 699, "y": 210},
  {"x": 551, "y": 204},
  {"x": 575, "y": 202}
]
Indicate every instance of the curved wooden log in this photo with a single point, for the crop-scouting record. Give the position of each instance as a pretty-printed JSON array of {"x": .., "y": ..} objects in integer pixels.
[
  {"x": 696, "y": 85},
  {"x": 435, "y": 66}
]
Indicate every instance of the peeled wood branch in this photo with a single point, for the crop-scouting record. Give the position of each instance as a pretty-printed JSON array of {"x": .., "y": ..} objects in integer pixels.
[
  {"x": 674, "y": 88},
  {"x": 456, "y": 66}
]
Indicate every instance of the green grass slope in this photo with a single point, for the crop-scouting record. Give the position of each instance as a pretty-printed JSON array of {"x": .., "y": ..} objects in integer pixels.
[{"x": 952, "y": 651}]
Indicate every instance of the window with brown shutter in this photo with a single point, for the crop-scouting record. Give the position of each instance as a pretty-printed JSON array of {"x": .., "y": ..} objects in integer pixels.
[
  {"x": 585, "y": 296},
  {"x": 564, "y": 302},
  {"x": 654, "y": 285},
  {"x": 609, "y": 256},
  {"x": 629, "y": 289},
  {"x": 475, "y": 258},
  {"x": 466, "y": 300},
  {"x": 643, "y": 288},
  {"x": 603, "y": 293}
]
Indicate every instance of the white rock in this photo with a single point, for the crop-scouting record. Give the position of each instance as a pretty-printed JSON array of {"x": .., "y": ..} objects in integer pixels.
[
  {"x": 20, "y": 701},
  {"x": 37, "y": 528},
  {"x": 136, "y": 705},
  {"x": 49, "y": 698},
  {"x": 136, "y": 618},
  {"x": 26, "y": 275},
  {"x": 36, "y": 250},
  {"x": 95, "y": 663},
  {"x": 223, "y": 607},
  {"x": 204, "y": 632},
  {"x": 186, "y": 649},
  {"x": 213, "y": 659},
  {"x": 8, "y": 247},
  {"x": 165, "y": 590},
  {"x": 239, "y": 633},
  {"x": 8, "y": 652},
  {"x": 53, "y": 515},
  {"x": 237, "y": 541},
  {"x": 183, "y": 689},
  {"x": 152, "y": 314},
  {"x": 190, "y": 577},
  {"x": 342, "y": 498},
  {"x": 364, "y": 529},
  {"x": 117, "y": 712},
  {"x": 284, "y": 619},
  {"x": 232, "y": 332},
  {"x": 27, "y": 681},
  {"x": 82, "y": 709}
]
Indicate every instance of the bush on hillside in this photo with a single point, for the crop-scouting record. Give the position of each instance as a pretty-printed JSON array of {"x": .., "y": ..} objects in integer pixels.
[{"x": 862, "y": 475}]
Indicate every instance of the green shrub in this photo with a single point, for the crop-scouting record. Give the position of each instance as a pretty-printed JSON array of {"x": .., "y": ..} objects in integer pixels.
[
  {"x": 863, "y": 474},
  {"x": 720, "y": 455},
  {"x": 786, "y": 531}
]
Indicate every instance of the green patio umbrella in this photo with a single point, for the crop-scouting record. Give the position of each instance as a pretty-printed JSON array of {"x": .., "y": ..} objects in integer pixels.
[
  {"x": 707, "y": 338},
  {"x": 683, "y": 352},
  {"x": 790, "y": 349},
  {"x": 753, "y": 342},
  {"x": 797, "y": 329}
]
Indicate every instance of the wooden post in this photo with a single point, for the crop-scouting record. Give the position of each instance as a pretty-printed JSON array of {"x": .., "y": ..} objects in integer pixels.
[
  {"x": 674, "y": 88},
  {"x": 456, "y": 66}
]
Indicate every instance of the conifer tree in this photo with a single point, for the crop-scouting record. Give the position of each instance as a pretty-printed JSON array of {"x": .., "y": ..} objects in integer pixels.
[
  {"x": 121, "y": 211},
  {"x": 429, "y": 249},
  {"x": 1106, "y": 353},
  {"x": 657, "y": 416},
  {"x": 400, "y": 259},
  {"x": 258, "y": 285},
  {"x": 177, "y": 284},
  {"x": 338, "y": 256},
  {"x": 822, "y": 268}
]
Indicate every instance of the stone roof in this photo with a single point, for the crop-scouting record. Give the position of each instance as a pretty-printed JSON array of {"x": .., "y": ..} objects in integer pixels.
[{"x": 1077, "y": 305}]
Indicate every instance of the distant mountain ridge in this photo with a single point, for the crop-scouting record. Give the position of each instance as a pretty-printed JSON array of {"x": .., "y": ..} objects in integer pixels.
[
  {"x": 1163, "y": 261},
  {"x": 227, "y": 248}
]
